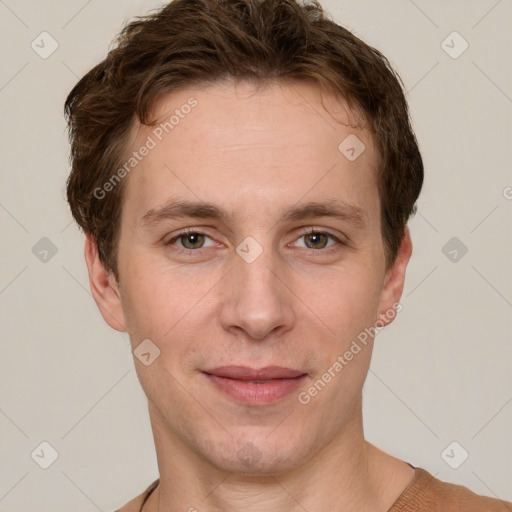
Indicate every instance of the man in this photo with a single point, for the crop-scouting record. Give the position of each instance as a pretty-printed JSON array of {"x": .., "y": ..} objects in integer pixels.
[{"x": 244, "y": 172}]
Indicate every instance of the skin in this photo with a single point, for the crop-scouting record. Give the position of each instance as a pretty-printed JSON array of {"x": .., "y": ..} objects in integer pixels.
[{"x": 255, "y": 152}]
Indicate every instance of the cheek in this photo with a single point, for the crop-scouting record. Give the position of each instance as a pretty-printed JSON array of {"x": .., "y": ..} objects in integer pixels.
[
  {"x": 145, "y": 298},
  {"x": 160, "y": 301},
  {"x": 348, "y": 302}
]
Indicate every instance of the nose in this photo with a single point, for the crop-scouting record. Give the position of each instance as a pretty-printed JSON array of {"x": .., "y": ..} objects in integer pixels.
[{"x": 257, "y": 297}]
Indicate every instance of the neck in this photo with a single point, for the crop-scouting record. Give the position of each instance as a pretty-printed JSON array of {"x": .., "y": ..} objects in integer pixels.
[{"x": 347, "y": 474}]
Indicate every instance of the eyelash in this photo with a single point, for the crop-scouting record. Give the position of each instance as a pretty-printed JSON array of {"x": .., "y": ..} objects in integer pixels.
[{"x": 309, "y": 231}]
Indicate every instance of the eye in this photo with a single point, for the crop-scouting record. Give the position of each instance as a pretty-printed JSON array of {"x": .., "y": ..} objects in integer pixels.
[
  {"x": 190, "y": 240},
  {"x": 315, "y": 239}
]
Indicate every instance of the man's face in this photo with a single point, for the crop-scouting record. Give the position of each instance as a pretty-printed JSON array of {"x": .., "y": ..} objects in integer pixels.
[{"x": 252, "y": 289}]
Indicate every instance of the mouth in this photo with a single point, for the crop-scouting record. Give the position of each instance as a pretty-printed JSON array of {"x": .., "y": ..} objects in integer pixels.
[{"x": 255, "y": 386}]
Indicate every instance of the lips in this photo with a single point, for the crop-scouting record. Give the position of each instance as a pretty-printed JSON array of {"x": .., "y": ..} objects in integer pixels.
[
  {"x": 255, "y": 386},
  {"x": 249, "y": 374}
]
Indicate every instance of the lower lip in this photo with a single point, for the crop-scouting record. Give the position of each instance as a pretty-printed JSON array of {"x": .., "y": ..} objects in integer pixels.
[{"x": 256, "y": 394}]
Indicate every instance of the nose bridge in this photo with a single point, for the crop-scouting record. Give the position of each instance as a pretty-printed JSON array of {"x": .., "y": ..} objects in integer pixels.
[
  {"x": 257, "y": 300},
  {"x": 257, "y": 267}
]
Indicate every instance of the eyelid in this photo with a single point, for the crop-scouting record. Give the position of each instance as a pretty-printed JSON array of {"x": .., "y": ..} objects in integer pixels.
[{"x": 324, "y": 231}]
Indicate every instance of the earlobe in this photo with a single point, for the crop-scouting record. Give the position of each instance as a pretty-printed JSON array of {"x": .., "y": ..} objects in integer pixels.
[
  {"x": 394, "y": 281},
  {"x": 104, "y": 288}
]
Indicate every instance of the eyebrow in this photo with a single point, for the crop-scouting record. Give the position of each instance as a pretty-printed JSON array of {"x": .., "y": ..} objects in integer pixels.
[{"x": 181, "y": 208}]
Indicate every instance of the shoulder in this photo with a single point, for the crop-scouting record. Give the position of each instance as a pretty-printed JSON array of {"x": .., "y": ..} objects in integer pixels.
[
  {"x": 427, "y": 493},
  {"x": 136, "y": 503}
]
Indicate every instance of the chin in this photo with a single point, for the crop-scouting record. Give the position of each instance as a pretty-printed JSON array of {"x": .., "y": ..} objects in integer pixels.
[{"x": 258, "y": 455}]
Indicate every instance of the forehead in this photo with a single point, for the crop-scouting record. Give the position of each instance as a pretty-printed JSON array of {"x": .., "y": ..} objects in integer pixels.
[
  {"x": 261, "y": 110},
  {"x": 273, "y": 144}
]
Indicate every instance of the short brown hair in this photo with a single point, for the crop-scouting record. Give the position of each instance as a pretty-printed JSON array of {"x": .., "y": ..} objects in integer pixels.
[{"x": 191, "y": 42}]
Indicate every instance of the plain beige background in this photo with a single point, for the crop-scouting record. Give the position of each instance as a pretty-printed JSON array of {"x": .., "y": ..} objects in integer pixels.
[{"x": 440, "y": 373}]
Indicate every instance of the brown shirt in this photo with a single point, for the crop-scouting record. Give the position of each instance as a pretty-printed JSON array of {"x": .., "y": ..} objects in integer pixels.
[{"x": 424, "y": 494}]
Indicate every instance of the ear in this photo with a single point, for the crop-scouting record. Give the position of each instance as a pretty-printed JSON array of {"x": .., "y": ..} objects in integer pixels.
[
  {"x": 104, "y": 287},
  {"x": 394, "y": 282}
]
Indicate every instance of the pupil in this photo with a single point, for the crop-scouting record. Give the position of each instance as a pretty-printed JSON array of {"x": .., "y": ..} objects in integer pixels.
[
  {"x": 192, "y": 239},
  {"x": 315, "y": 238}
]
